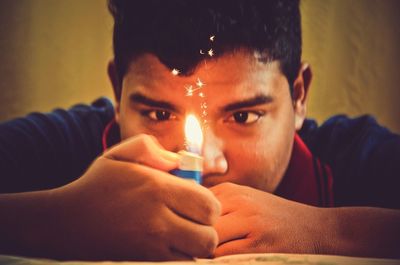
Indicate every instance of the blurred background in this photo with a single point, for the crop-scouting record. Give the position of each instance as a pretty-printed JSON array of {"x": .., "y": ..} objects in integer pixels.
[{"x": 55, "y": 54}]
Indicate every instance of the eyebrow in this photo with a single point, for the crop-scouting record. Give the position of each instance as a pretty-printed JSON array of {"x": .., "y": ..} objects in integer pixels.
[
  {"x": 251, "y": 102},
  {"x": 142, "y": 99}
]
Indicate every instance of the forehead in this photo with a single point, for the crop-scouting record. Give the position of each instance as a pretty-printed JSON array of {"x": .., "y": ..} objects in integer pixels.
[{"x": 230, "y": 77}]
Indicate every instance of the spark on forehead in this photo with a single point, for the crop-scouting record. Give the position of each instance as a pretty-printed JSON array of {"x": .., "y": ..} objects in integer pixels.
[
  {"x": 190, "y": 90},
  {"x": 175, "y": 71},
  {"x": 199, "y": 83}
]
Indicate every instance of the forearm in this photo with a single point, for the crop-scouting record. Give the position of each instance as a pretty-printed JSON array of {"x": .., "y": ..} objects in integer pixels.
[
  {"x": 26, "y": 223},
  {"x": 360, "y": 231}
]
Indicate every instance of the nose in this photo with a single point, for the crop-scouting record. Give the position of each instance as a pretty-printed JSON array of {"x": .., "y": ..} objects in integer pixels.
[{"x": 215, "y": 162}]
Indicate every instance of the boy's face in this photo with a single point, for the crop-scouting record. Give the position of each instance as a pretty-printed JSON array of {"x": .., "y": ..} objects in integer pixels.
[{"x": 250, "y": 116}]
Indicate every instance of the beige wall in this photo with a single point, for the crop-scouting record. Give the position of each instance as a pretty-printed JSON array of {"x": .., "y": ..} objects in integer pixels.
[
  {"x": 354, "y": 48},
  {"x": 54, "y": 53}
]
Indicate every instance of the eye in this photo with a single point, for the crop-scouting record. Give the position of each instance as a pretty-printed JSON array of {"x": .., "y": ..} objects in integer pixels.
[
  {"x": 158, "y": 115},
  {"x": 245, "y": 117}
]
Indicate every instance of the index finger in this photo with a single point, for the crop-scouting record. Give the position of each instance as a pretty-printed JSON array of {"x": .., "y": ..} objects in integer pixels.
[{"x": 146, "y": 150}]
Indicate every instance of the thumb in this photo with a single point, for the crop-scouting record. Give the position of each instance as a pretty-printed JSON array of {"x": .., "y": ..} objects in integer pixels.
[{"x": 146, "y": 150}]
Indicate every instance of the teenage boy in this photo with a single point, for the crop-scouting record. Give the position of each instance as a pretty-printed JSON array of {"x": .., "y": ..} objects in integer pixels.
[{"x": 269, "y": 175}]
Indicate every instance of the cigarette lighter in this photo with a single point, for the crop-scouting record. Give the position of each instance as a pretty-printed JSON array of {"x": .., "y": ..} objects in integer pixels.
[
  {"x": 191, "y": 163},
  {"x": 190, "y": 166}
]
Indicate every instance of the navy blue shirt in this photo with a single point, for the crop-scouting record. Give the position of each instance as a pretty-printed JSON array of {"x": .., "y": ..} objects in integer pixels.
[{"x": 43, "y": 151}]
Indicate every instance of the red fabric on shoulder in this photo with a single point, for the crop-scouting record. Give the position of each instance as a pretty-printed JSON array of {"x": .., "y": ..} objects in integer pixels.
[
  {"x": 306, "y": 180},
  {"x": 106, "y": 134}
]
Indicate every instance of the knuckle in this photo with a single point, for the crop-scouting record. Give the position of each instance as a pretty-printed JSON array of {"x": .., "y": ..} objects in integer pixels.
[
  {"x": 214, "y": 213},
  {"x": 101, "y": 160},
  {"x": 228, "y": 185},
  {"x": 211, "y": 210},
  {"x": 147, "y": 140},
  {"x": 146, "y": 148},
  {"x": 157, "y": 228},
  {"x": 155, "y": 190},
  {"x": 216, "y": 206},
  {"x": 223, "y": 188},
  {"x": 143, "y": 141},
  {"x": 208, "y": 244},
  {"x": 103, "y": 165}
]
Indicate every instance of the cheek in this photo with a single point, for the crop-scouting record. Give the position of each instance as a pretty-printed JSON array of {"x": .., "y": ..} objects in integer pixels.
[
  {"x": 266, "y": 154},
  {"x": 260, "y": 170}
]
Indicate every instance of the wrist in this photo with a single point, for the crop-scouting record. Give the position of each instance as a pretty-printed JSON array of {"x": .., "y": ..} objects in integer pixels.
[{"x": 328, "y": 235}]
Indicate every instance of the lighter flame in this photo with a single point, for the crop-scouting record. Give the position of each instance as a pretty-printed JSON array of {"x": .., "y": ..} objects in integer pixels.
[{"x": 193, "y": 134}]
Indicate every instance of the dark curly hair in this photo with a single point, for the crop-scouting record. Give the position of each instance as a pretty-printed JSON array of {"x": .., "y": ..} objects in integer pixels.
[{"x": 175, "y": 31}]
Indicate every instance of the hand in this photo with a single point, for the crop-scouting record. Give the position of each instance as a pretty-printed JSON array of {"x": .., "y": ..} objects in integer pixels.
[
  {"x": 127, "y": 207},
  {"x": 254, "y": 221}
]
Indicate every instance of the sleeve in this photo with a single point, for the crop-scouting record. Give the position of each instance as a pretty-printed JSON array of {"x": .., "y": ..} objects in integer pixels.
[
  {"x": 43, "y": 151},
  {"x": 364, "y": 158}
]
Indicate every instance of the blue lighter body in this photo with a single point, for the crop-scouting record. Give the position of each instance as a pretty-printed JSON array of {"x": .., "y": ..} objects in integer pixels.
[
  {"x": 190, "y": 166},
  {"x": 187, "y": 174}
]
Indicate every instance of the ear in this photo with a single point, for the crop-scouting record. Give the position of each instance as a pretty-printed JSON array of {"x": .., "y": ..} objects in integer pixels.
[
  {"x": 112, "y": 75},
  {"x": 300, "y": 91}
]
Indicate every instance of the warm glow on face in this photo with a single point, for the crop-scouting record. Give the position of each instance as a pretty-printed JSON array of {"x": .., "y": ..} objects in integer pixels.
[{"x": 193, "y": 134}]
